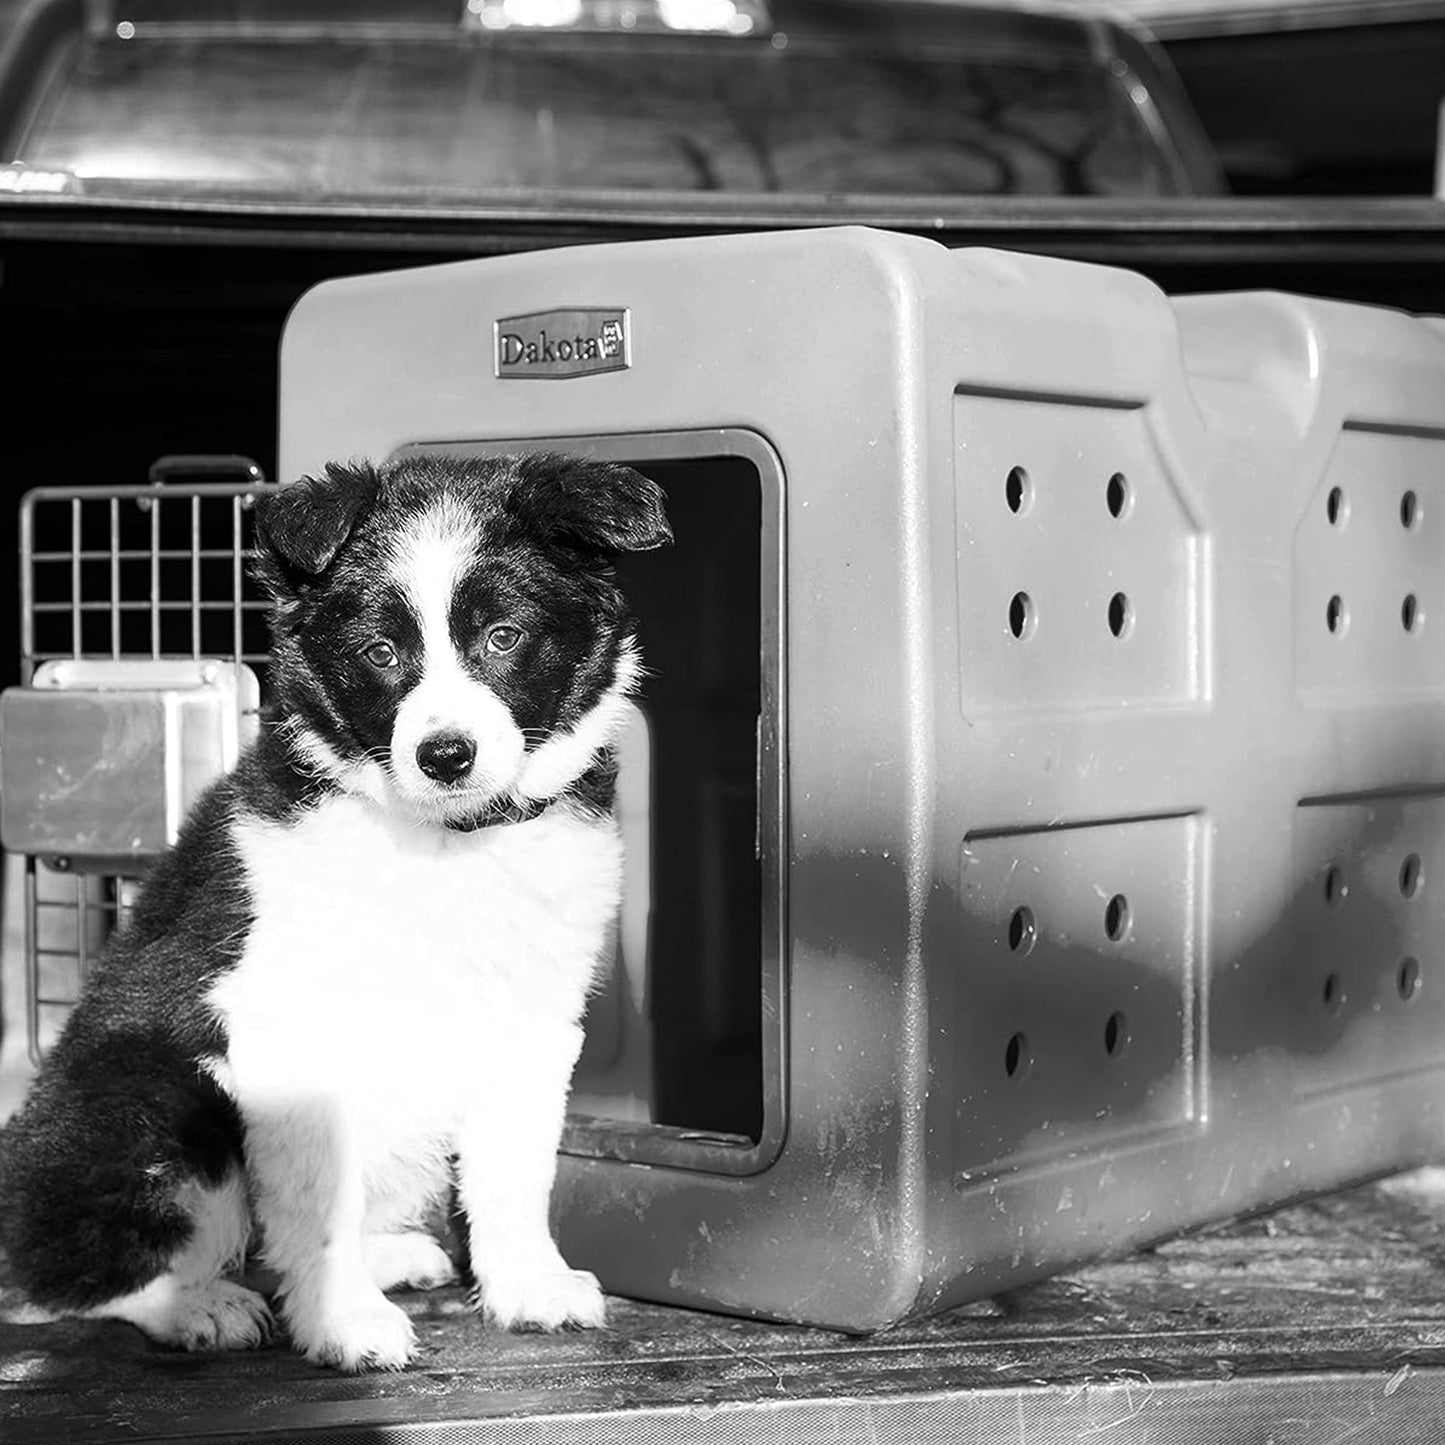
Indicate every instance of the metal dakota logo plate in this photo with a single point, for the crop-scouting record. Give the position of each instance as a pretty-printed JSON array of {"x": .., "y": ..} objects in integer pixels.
[{"x": 577, "y": 341}]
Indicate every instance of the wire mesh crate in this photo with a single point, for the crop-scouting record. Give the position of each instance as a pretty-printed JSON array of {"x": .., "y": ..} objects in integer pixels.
[{"x": 143, "y": 638}]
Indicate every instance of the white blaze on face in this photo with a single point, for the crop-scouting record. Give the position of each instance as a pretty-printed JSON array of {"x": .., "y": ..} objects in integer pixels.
[{"x": 429, "y": 560}]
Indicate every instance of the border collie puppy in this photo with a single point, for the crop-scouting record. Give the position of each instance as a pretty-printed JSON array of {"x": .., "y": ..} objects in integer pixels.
[{"x": 368, "y": 954}]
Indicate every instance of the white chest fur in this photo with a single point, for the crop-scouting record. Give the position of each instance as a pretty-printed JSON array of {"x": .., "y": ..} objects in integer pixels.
[{"x": 385, "y": 958}]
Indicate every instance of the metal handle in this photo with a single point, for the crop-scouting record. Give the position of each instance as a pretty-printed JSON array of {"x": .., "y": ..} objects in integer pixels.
[{"x": 204, "y": 464}]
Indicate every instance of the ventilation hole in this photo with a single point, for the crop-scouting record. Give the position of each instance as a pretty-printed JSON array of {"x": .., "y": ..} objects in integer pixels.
[
  {"x": 1337, "y": 616},
  {"x": 1022, "y": 618},
  {"x": 1022, "y": 932},
  {"x": 1409, "y": 511},
  {"x": 1337, "y": 887},
  {"x": 1018, "y": 1057},
  {"x": 1116, "y": 1035},
  {"x": 1119, "y": 495},
  {"x": 1121, "y": 615},
  {"x": 1117, "y": 919},
  {"x": 1337, "y": 509},
  {"x": 1412, "y": 876},
  {"x": 1410, "y": 613},
  {"x": 1407, "y": 978},
  {"x": 1333, "y": 993},
  {"x": 1018, "y": 491}
]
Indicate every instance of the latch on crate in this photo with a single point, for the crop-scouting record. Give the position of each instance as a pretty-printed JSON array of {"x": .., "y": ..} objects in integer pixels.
[{"x": 102, "y": 759}]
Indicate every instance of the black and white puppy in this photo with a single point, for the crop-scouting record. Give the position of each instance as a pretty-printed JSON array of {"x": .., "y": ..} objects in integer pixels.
[{"x": 369, "y": 952}]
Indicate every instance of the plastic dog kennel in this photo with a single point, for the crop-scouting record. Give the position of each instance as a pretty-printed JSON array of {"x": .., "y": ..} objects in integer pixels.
[{"x": 1037, "y": 808}]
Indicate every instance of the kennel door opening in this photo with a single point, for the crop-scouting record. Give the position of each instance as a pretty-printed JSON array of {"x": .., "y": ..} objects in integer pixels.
[{"x": 682, "y": 1061}]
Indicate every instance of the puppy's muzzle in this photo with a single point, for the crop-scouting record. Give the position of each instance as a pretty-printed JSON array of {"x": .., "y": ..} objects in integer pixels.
[{"x": 446, "y": 757}]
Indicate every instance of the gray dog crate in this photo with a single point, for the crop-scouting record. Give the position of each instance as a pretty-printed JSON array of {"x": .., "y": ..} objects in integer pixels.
[{"x": 1036, "y": 811}]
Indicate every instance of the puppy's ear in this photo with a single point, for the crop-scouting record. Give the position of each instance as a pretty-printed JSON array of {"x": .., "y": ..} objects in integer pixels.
[
  {"x": 304, "y": 524},
  {"x": 594, "y": 506}
]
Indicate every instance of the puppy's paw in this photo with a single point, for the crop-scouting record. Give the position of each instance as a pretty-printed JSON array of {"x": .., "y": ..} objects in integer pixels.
[
  {"x": 218, "y": 1315},
  {"x": 212, "y": 1314},
  {"x": 412, "y": 1260},
  {"x": 353, "y": 1331},
  {"x": 557, "y": 1298}
]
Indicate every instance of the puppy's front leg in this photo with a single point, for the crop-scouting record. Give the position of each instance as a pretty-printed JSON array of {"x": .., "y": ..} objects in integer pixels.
[
  {"x": 508, "y": 1159},
  {"x": 310, "y": 1201}
]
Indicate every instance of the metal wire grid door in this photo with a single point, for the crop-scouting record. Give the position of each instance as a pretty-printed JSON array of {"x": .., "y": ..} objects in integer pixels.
[{"x": 128, "y": 572}]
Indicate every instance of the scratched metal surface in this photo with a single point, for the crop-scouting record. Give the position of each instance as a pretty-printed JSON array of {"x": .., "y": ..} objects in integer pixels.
[{"x": 1324, "y": 1320}]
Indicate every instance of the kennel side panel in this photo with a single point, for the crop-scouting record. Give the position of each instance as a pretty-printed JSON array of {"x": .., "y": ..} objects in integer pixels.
[{"x": 1314, "y": 1054}]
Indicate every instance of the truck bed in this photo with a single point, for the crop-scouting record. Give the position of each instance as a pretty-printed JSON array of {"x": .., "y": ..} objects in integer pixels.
[{"x": 1324, "y": 1321}]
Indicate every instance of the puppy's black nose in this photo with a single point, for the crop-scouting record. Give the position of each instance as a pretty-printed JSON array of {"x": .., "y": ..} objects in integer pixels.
[{"x": 446, "y": 757}]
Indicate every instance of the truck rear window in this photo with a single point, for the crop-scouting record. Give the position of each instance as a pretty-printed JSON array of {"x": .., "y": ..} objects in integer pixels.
[{"x": 335, "y": 119}]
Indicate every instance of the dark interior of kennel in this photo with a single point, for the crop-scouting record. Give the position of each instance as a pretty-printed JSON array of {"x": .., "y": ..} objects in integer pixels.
[{"x": 698, "y": 604}]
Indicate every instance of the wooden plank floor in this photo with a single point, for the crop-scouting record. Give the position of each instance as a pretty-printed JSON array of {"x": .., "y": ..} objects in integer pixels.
[{"x": 1325, "y": 1321}]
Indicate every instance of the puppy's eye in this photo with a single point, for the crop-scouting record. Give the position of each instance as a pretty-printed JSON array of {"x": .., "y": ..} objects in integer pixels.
[
  {"x": 381, "y": 655},
  {"x": 503, "y": 638}
]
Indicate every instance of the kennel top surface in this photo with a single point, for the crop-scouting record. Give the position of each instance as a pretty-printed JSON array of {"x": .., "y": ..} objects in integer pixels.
[{"x": 1324, "y": 1321}]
